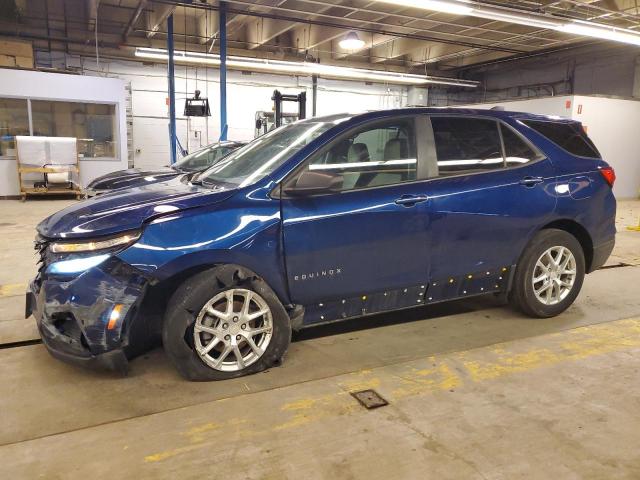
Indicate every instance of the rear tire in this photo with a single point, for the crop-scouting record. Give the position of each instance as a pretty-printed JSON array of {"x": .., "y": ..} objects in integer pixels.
[
  {"x": 223, "y": 323},
  {"x": 549, "y": 275}
]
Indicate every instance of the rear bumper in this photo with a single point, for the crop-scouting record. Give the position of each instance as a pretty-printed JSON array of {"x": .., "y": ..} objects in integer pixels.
[{"x": 601, "y": 254}]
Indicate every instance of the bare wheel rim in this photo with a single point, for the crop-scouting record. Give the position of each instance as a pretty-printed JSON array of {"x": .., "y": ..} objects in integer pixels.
[
  {"x": 233, "y": 330},
  {"x": 554, "y": 275}
]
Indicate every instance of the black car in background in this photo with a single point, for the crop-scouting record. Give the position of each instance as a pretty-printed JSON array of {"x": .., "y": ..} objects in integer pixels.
[{"x": 135, "y": 177}]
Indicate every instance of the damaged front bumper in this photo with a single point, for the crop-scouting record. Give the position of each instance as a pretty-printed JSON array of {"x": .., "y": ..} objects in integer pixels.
[{"x": 86, "y": 320}]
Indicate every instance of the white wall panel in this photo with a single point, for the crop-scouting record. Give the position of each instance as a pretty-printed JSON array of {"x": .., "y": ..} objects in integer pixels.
[
  {"x": 151, "y": 141},
  {"x": 614, "y": 126},
  {"x": 246, "y": 94},
  {"x": 543, "y": 106}
]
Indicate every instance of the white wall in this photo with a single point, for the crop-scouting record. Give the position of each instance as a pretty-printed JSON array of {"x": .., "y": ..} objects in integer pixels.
[
  {"x": 64, "y": 87},
  {"x": 614, "y": 126},
  {"x": 544, "y": 106},
  {"x": 611, "y": 123},
  {"x": 246, "y": 94}
]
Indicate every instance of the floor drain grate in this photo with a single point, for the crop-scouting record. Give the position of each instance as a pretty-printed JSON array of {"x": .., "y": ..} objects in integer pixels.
[{"x": 369, "y": 399}]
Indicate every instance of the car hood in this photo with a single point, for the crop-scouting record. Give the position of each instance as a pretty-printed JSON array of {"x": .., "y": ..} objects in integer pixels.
[
  {"x": 132, "y": 177},
  {"x": 127, "y": 209}
]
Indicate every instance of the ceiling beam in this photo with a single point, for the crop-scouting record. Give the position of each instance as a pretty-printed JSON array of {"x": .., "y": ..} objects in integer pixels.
[
  {"x": 208, "y": 25},
  {"x": 340, "y": 26},
  {"x": 397, "y": 47},
  {"x": 157, "y": 16},
  {"x": 262, "y": 30},
  {"x": 133, "y": 20},
  {"x": 308, "y": 37}
]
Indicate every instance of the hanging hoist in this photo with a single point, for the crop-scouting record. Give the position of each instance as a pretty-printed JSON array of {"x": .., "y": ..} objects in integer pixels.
[{"x": 196, "y": 106}]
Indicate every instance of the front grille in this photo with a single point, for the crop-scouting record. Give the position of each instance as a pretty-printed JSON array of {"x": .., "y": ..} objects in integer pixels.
[{"x": 41, "y": 246}]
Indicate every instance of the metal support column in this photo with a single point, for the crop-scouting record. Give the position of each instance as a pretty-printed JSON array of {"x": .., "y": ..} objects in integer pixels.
[
  {"x": 172, "y": 91},
  {"x": 223, "y": 70},
  {"x": 314, "y": 94},
  {"x": 277, "y": 108}
]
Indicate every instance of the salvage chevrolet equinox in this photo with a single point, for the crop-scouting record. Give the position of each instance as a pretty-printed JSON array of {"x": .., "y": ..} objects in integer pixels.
[{"x": 325, "y": 219}]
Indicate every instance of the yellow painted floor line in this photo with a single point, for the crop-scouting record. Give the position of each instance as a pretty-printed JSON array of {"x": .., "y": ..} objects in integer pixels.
[
  {"x": 13, "y": 289},
  {"x": 429, "y": 375}
]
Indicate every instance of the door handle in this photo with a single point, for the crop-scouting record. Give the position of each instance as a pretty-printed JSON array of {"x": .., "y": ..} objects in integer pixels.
[
  {"x": 409, "y": 200},
  {"x": 531, "y": 181}
]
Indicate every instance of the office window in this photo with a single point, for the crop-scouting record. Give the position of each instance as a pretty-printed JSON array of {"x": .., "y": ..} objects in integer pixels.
[
  {"x": 14, "y": 120},
  {"x": 94, "y": 125}
]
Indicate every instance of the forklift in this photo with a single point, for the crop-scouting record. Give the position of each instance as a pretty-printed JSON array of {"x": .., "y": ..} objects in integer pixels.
[{"x": 267, "y": 121}]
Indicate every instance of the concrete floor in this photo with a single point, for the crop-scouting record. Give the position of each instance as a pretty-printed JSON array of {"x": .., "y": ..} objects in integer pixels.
[{"x": 475, "y": 390}]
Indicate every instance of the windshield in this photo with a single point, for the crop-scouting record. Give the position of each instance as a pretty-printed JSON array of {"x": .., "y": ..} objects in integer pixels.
[
  {"x": 204, "y": 158},
  {"x": 263, "y": 155}
]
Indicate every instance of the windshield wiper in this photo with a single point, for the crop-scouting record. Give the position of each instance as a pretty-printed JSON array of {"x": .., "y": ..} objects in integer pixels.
[{"x": 202, "y": 183}]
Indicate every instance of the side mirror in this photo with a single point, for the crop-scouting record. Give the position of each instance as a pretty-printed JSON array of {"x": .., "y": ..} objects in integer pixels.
[
  {"x": 312, "y": 182},
  {"x": 258, "y": 124}
]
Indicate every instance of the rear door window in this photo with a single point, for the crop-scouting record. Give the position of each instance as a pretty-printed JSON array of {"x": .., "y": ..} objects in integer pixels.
[
  {"x": 466, "y": 145},
  {"x": 569, "y": 136}
]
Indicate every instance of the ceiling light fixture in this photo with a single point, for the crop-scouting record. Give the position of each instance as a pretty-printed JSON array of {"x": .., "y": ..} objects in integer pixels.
[
  {"x": 589, "y": 29},
  {"x": 351, "y": 42},
  {"x": 302, "y": 68},
  {"x": 456, "y": 8},
  {"x": 510, "y": 15}
]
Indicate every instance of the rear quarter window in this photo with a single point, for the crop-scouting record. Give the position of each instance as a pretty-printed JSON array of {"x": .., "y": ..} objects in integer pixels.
[{"x": 568, "y": 136}]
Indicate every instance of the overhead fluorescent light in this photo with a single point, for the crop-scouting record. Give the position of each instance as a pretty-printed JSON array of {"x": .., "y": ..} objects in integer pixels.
[
  {"x": 456, "y": 8},
  {"x": 510, "y": 15},
  {"x": 302, "y": 68},
  {"x": 351, "y": 42},
  {"x": 589, "y": 29}
]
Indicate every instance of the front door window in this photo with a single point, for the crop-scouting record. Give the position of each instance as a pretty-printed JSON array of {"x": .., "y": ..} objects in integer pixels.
[{"x": 373, "y": 156}]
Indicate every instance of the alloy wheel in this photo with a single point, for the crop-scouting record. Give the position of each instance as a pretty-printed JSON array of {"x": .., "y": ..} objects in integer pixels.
[
  {"x": 233, "y": 330},
  {"x": 554, "y": 275}
]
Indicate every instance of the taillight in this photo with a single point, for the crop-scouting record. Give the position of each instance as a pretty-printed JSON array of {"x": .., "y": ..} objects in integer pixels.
[{"x": 609, "y": 175}]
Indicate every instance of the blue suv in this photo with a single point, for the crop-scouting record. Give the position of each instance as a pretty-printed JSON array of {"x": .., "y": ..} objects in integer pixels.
[{"x": 324, "y": 219}]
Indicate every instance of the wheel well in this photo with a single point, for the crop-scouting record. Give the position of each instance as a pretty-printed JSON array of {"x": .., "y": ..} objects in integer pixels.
[
  {"x": 151, "y": 311},
  {"x": 581, "y": 234}
]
